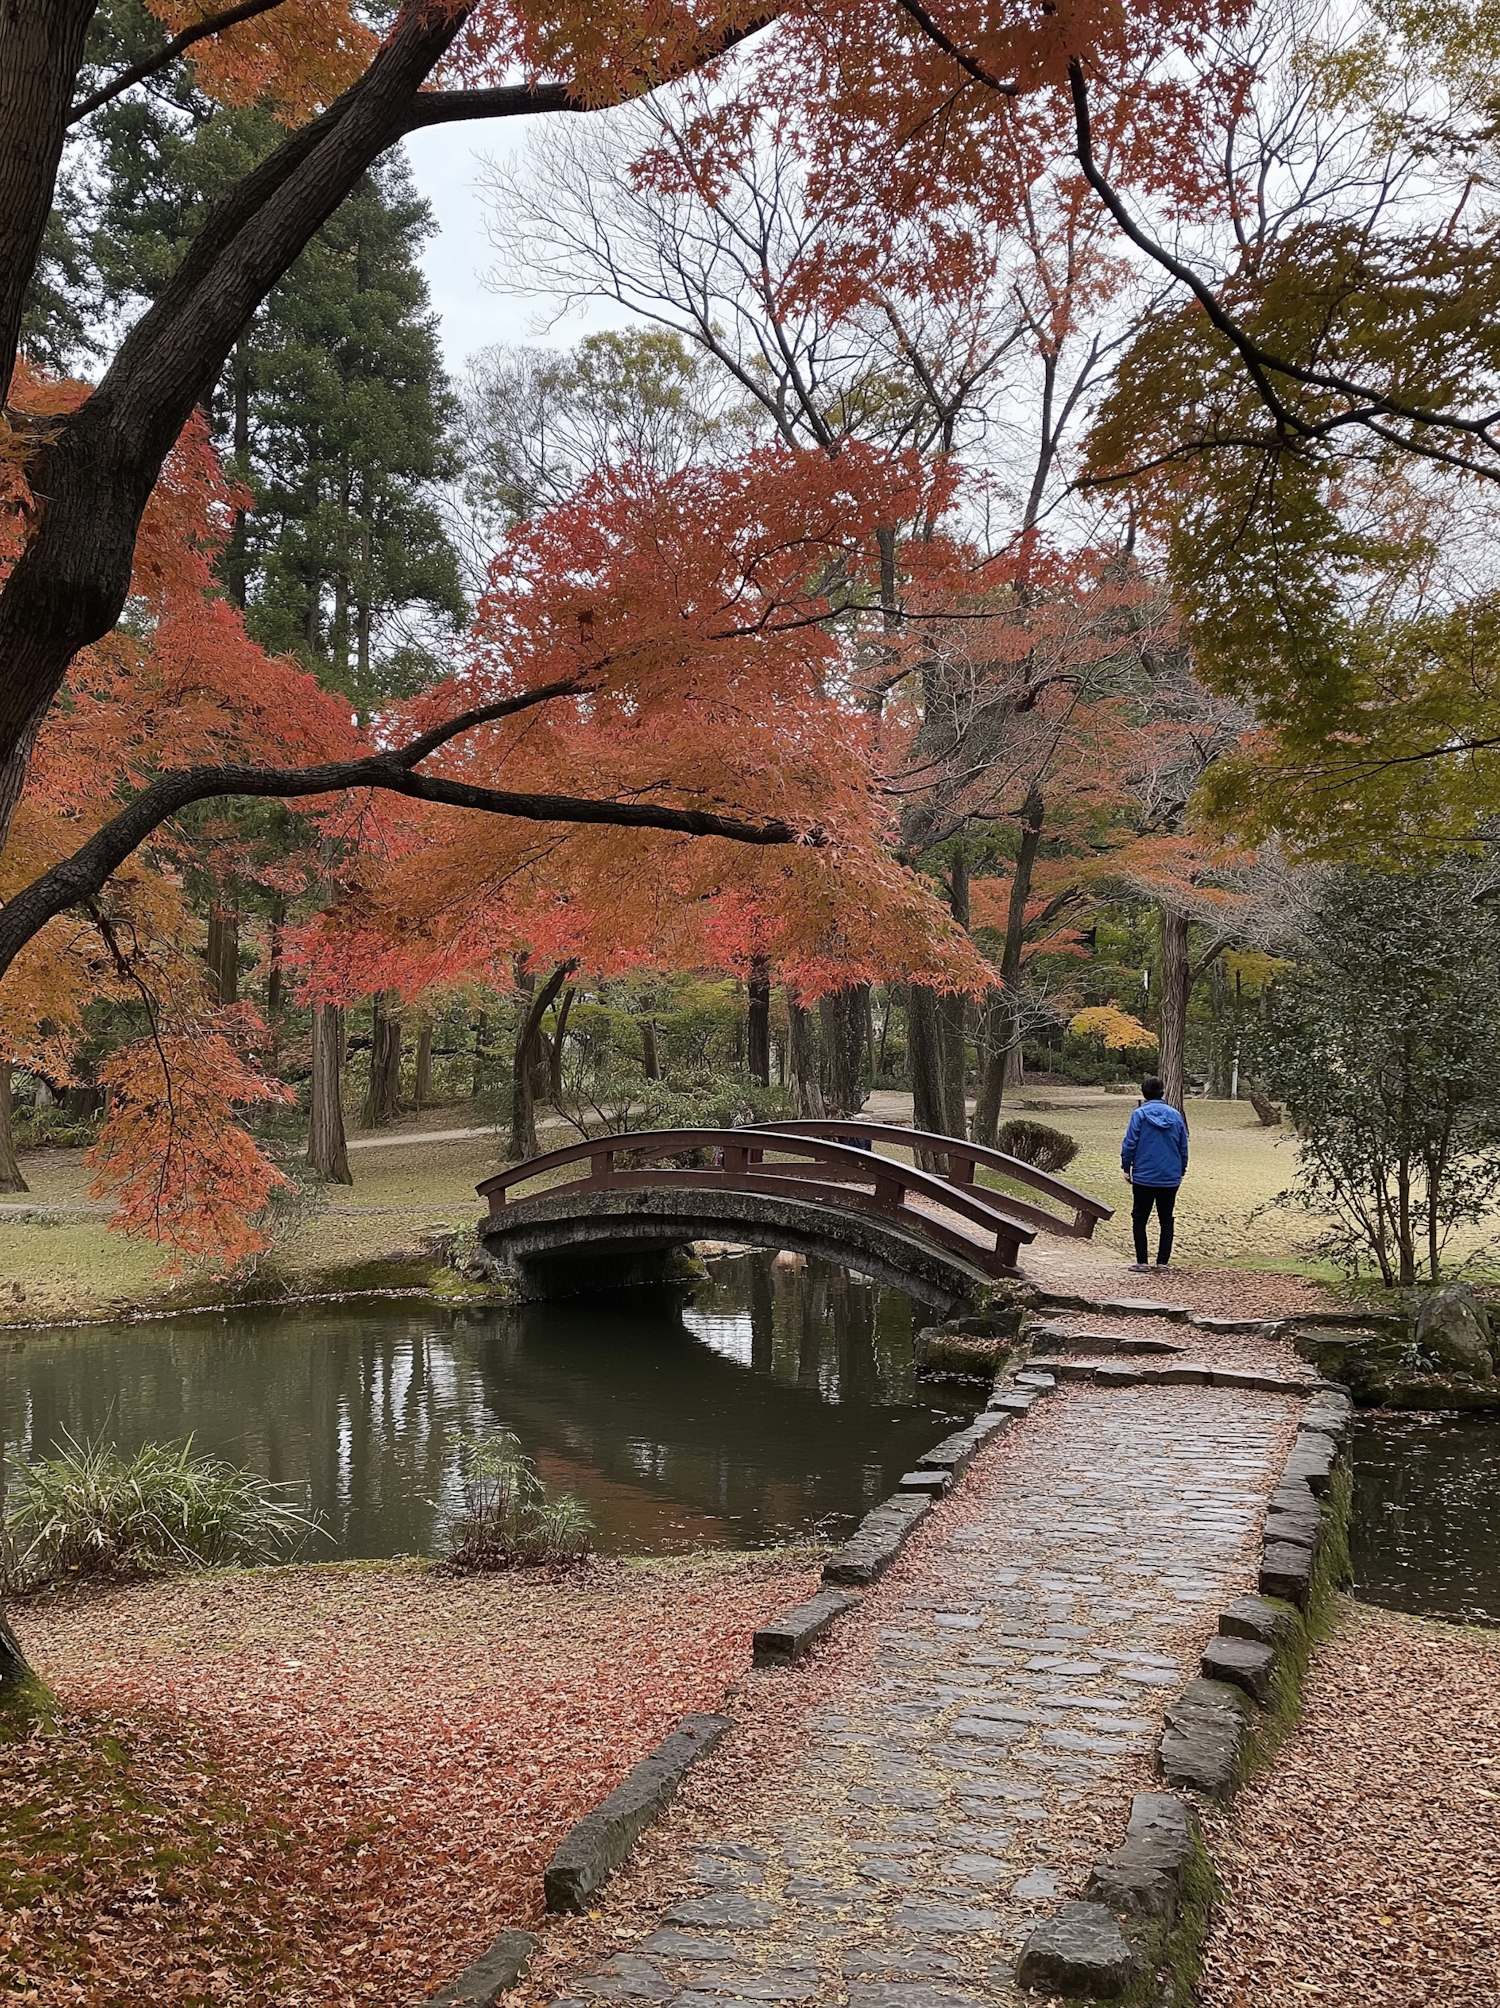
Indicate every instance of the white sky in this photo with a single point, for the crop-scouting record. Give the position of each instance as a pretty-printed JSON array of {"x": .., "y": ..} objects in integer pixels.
[{"x": 447, "y": 164}]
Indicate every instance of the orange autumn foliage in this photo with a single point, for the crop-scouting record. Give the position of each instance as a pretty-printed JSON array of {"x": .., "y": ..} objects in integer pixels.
[
  {"x": 695, "y": 609},
  {"x": 172, "y": 1155},
  {"x": 182, "y": 684}
]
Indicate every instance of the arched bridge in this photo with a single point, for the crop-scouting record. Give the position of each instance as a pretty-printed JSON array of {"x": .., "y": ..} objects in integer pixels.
[{"x": 826, "y": 1187}]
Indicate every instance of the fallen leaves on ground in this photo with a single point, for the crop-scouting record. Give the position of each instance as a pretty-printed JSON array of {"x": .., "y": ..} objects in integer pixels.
[
  {"x": 332, "y": 1786},
  {"x": 1364, "y": 1867},
  {"x": 1219, "y": 1293}
]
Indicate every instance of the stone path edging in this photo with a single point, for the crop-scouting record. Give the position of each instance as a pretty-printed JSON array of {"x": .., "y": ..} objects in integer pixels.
[
  {"x": 1091, "y": 1948},
  {"x": 602, "y": 1839},
  {"x": 494, "y": 1973}
]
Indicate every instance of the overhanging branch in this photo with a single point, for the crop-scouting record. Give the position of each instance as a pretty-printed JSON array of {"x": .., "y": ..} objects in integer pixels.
[
  {"x": 149, "y": 65},
  {"x": 83, "y": 875}
]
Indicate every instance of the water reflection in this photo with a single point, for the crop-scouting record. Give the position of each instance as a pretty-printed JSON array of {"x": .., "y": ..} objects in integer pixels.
[
  {"x": 778, "y": 1400},
  {"x": 1426, "y": 1534}
]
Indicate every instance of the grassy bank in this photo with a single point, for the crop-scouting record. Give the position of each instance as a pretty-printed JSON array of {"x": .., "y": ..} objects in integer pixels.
[{"x": 60, "y": 1261}]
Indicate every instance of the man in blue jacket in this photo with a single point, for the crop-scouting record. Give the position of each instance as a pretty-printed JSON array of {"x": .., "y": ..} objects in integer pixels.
[{"x": 1154, "y": 1157}]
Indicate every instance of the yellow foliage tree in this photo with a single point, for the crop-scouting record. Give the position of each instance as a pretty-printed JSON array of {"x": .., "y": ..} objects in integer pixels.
[{"x": 1113, "y": 1028}]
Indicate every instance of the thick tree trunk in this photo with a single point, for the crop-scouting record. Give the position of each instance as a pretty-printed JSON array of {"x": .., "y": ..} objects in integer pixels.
[
  {"x": 953, "y": 1014},
  {"x": 41, "y": 48},
  {"x": 758, "y": 1022},
  {"x": 383, "y": 1096},
  {"x": 223, "y": 952},
  {"x": 555, "y": 1054},
  {"x": 1003, "y": 1028},
  {"x": 650, "y": 1063},
  {"x": 522, "y": 1093},
  {"x": 804, "y": 1057},
  {"x": 10, "y": 1170},
  {"x": 995, "y": 1034},
  {"x": 422, "y": 1085},
  {"x": 924, "y": 1059},
  {"x": 327, "y": 1151},
  {"x": 1172, "y": 1023},
  {"x": 842, "y": 1015}
]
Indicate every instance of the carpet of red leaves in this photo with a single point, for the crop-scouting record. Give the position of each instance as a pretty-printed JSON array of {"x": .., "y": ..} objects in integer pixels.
[
  {"x": 333, "y": 1786},
  {"x": 1363, "y": 1870}
]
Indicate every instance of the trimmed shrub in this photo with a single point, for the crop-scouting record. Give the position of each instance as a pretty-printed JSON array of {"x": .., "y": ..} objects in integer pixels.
[{"x": 1036, "y": 1143}]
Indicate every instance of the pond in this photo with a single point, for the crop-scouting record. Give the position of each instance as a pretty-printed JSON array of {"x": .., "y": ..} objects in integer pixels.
[
  {"x": 774, "y": 1401},
  {"x": 1426, "y": 1534}
]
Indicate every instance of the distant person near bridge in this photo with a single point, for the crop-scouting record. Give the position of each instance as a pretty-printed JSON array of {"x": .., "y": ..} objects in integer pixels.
[{"x": 1154, "y": 1158}]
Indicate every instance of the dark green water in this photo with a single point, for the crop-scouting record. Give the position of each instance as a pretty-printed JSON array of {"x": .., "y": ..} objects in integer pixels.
[
  {"x": 1426, "y": 1534},
  {"x": 773, "y": 1402}
]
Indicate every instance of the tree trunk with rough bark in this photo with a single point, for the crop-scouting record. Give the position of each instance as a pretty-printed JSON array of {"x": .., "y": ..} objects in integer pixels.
[
  {"x": 953, "y": 1015},
  {"x": 804, "y": 1058},
  {"x": 327, "y": 1151},
  {"x": 555, "y": 1053},
  {"x": 1172, "y": 1022},
  {"x": 758, "y": 1022},
  {"x": 926, "y": 1061},
  {"x": 650, "y": 1061},
  {"x": 383, "y": 1096},
  {"x": 223, "y": 952},
  {"x": 842, "y": 1015},
  {"x": 522, "y": 1084},
  {"x": 10, "y": 1169}
]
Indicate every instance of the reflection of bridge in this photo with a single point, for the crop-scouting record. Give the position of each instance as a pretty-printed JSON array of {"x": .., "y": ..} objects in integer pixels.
[{"x": 817, "y": 1187}]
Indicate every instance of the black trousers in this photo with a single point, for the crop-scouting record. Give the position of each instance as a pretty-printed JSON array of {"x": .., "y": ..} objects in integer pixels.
[{"x": 1164, "y": 1199}]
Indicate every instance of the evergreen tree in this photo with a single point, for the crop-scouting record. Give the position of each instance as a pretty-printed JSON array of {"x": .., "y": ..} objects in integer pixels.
[
  {"x": 333, "y": 410},
  {"x": 347, "y": 563}
]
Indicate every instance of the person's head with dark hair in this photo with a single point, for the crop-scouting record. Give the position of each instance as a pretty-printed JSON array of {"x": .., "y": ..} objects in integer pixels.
[{"x": 1151, "y": 1088}]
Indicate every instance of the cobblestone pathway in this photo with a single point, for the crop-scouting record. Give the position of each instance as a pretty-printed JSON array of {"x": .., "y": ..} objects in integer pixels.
[{"x": 988, "y": 1749}]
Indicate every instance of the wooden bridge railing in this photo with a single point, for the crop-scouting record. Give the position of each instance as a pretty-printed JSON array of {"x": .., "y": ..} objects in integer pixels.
[
  {"x": 967, "y": 1157},
  {"x": 787, "y": 1165}
]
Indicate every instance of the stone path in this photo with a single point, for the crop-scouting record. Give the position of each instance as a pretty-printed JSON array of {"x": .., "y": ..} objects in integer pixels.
[{"x": 1005, "y": 1685}]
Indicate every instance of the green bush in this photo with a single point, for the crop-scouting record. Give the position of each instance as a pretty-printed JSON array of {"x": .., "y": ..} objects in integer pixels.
[
  {"x": 1036, "y": 1143},
  {"x": 90, "y": 1512},
  {"x": 507, "y": 1520}
]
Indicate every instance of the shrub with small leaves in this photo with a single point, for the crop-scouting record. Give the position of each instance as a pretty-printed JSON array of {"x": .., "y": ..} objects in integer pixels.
[
  {"x": 1035, "y": 1143},
  {"x": 507, "y": 1520}
]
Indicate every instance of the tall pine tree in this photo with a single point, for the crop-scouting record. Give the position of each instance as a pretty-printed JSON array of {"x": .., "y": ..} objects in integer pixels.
[{"x": 333, "y": 410}]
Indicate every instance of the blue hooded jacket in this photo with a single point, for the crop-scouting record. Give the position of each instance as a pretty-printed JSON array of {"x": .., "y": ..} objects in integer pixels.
[{"x": 1155, "y": 1150}]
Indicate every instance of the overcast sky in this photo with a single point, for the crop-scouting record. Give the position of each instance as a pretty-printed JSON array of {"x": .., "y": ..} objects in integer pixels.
[{"x": 447, "y": 163}]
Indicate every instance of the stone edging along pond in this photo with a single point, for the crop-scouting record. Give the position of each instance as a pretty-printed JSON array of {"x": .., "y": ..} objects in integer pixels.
[{"x": 1145, "y": 1905}]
